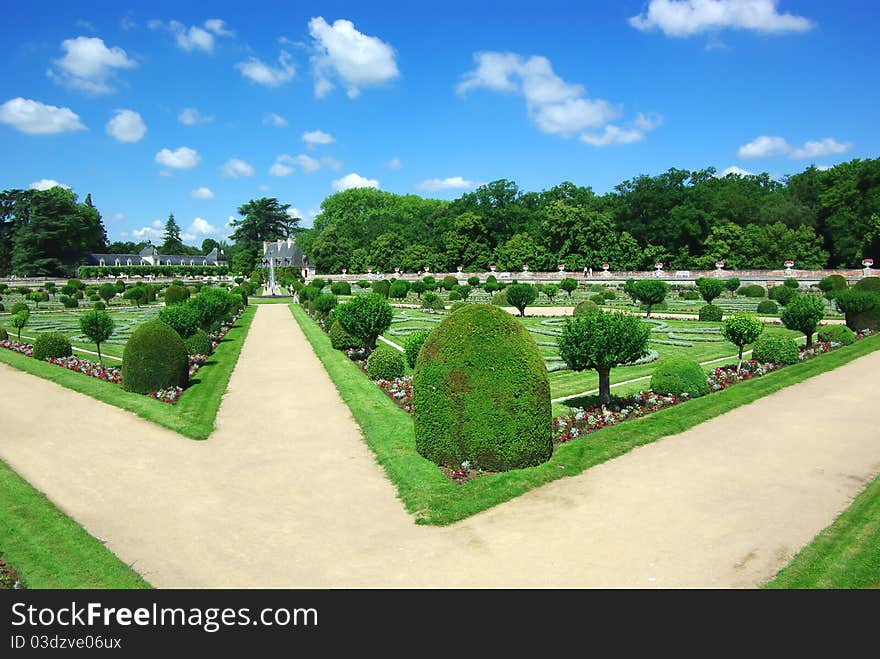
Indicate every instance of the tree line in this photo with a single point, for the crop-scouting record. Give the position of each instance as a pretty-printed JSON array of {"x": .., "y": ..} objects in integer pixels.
[{"x": 687, "y": 219}]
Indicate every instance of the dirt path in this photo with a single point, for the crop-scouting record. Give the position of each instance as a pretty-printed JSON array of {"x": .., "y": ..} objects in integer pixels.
[{"x": 285, "y": 493}]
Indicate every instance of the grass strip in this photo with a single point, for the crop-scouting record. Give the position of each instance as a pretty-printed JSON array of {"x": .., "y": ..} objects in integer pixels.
[
  {"x": 48, "y": 548},
  {"x": 844, "y": 555},
  {"x": 194, "y": 414},
  {"x": 434, "y": 499}
]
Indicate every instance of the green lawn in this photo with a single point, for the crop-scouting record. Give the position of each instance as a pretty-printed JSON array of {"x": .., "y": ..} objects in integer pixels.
[
  {"x": 845, "y": 555},
  {"x": 48, "y": 548},
  {"x": 193, "y": 415},
  {"x": 434, "y": 499}
]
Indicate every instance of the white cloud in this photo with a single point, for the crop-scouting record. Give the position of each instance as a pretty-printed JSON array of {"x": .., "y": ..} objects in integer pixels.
[
  {"x": 235, "y": 168},
  {"x": 200, "y": 228},
  {"x": 282, "y": 166},
  {"x": 306, "y": 217},
  {"x": 394, "y": 163},
  {"x": 117, "y": 217},
  {"x": 629, "y": 134},
  {"x": 191, "y": 117},
  {"x": 263, "y": 74},
  {"x": 354, "y": 181},
  {"x": 218, "y": 27},
  {"x": 733, "y": 169},
  {"x": 452, "y": 183},
  {"x": 156, "y": 231},
  {"x": 126, "y": 23},
  {"x": 35, "y": 118},
  {"x": 127, "y": 126},
  {"x": 356, "y": 59},
  {"x": 332, "y": 163},
  {"x": 276, "y": 120},
  {"x": 316, "y": 137},
  {"x": 280, "y": 169},
  {"x": 47, "y": 184},
  {"x": 554, "y": 105},
  {"x": 823, "y": 168},
  {"x": 182, "y": 158},
  {"x": 764, "y": 147},
  {"x": 84, "y": 24},
  {"x": 820, "y": 148},
  {"x": 202, "y": 193},
  {"x": 88, "y": 65},
  {"x": 264, "y": 188},
  {"x": 683, "y": 18}
]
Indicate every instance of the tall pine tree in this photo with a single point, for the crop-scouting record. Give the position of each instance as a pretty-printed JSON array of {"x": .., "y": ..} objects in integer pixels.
[{"x": 173, "y": 244}]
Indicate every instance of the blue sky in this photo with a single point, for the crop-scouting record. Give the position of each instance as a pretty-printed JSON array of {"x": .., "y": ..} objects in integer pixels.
[{"x": 419, "y": 99}]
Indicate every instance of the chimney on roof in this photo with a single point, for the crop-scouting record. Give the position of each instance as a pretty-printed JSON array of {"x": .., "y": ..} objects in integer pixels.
[
  {"x": 289, "y": 242},
  {"x": 280, "y": 242}
]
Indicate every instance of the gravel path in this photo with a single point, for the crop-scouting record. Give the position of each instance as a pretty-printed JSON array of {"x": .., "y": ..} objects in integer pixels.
[{"x": 286, "y": 494}]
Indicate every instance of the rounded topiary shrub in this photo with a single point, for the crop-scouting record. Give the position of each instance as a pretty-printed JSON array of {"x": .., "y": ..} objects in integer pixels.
[
  {"x": 340, "y": 288},
  {"x": 99, "y": 306},
  {"x": 4, "y": 335},
  {"x": 342, "y": 340},
  {"x": 385, "y": 364},
  {"x": 199, "y": 343},
  {"x": 680, "y": 376},
  {"x": 711, "y": 313},
  {"x": 597, "y": 299},
  {"x": 454, "y": 296},
  {"x": 870, "y": 284},
  {"x": 18, "y": 307},
  {"x": 782, "y": 294},
  {"x": 449, "y": 282},
  {"x": 457, "y": 305},
  {"x": 837, "y": 333},
  {"x": 68, "y": 301},
  {"x": 752, "y": 290},
  {"x": 587, "y": 306},
  {"x": 689, "y": 295},
  {"x": 181, "y": 318},
  {"x": 51, "y": 344},
  {"x": 775, "y": 349},
  {"x": 413, "y": 345},
  {"x": 767, "y": 306},
  {"x": 154, "y": 358},
  {"x": 481, "y": 393}
]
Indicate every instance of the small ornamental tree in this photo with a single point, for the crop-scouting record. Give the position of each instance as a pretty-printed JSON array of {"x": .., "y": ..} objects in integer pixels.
[
  {"x": 98, "y": 326},
  {"x": 418, "y": 287},
  {"x": 569, "y": 285},
  {"x": 832, "y": 283},
  {"x": 650, "y": 292},
  {"x": 18, "y": 321},
  {"x": 782, "y": 294},
  {"x": 380, "y": 287},
  {"x": 601, "y": 341},
  {"x": 709, "y": 288},
  {"x": 107, "y": 292},
  {"x": 731, "y": 285},
  {"x": 36, "y": 297},
  {"x": 398, "y": 290},
  {"x": 324, "y": 304},
  {"x": 521, "y": 296},
  {"x": 630, "y": 289},
  {"x": 449, "y": 282},
  {"x": 742, "y": 328},
  {"x": 550, "y": 291},
  {"x": 50, "y": 288},
  {"x": 473, "y": 281},
  {"x": 365, "y": 317},
  {"x": 137, "y": 294},
  {"x": 463, "y": 291},
  {"x": 803, "y": 314}
]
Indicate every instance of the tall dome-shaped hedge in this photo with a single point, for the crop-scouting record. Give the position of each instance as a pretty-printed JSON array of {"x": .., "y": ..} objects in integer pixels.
[
  {"x": 481, "y": 393},
  {"x": 154, "y": 358}
]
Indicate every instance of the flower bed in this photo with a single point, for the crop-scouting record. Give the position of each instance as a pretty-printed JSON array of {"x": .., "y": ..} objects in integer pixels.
[{"x": 113, "y": 374}]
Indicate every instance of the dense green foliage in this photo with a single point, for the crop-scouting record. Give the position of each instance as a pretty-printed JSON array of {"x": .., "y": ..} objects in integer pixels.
[
  {"x": 51, "y": 344},
  {"x": 365, "y": 317},
  {"x": 176, "y": 294},
  {"x": 775, "y": 349},
  {"x": 862, "y": 308},
  {"x": 680, "y": 376},
  {"x": 481, "y": 393},
  {"x": 711, "y": 313},
  {"x": 18, "y": 321},
  {"x": 803, "y": 314},
  {"x": 832, "y": 283},
  {"x": 182, "y": 318},
  {"x": 340, "y": 288},
  {"x": 569, "y": 285},
  {"x": 869, "y": 284},
  {"x": 601, "y": 341},
  {"x": 97, "y": 326},
  {"x": 837, "y": 333},
  {"x": 413, "y": 345},
  {"x": 154, "y": 358},
  {"x": 324, "y": 304},
  {"x": 709, "y": 288},
  {"x": 782, "y": 294},
  {"x": 520, "y": 296},
  {"x": 199, "y": 343},
  {"x": 752, "y": 290},
  {"x": 342, "y": 340},
  {"x": 381, "y": 287},
  {"x": 767, "y": 307},
  {"x": 385, "y": 364},
  {"x": 587, "y": 306}
]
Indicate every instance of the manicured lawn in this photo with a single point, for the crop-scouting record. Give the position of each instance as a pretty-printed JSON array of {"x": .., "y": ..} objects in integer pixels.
[
  {"x": 193, "y": 415},
  {"x": 48, "y": 548},
  {"x": 434, "y": 499},
  {"x": 845, "y": 555}
]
